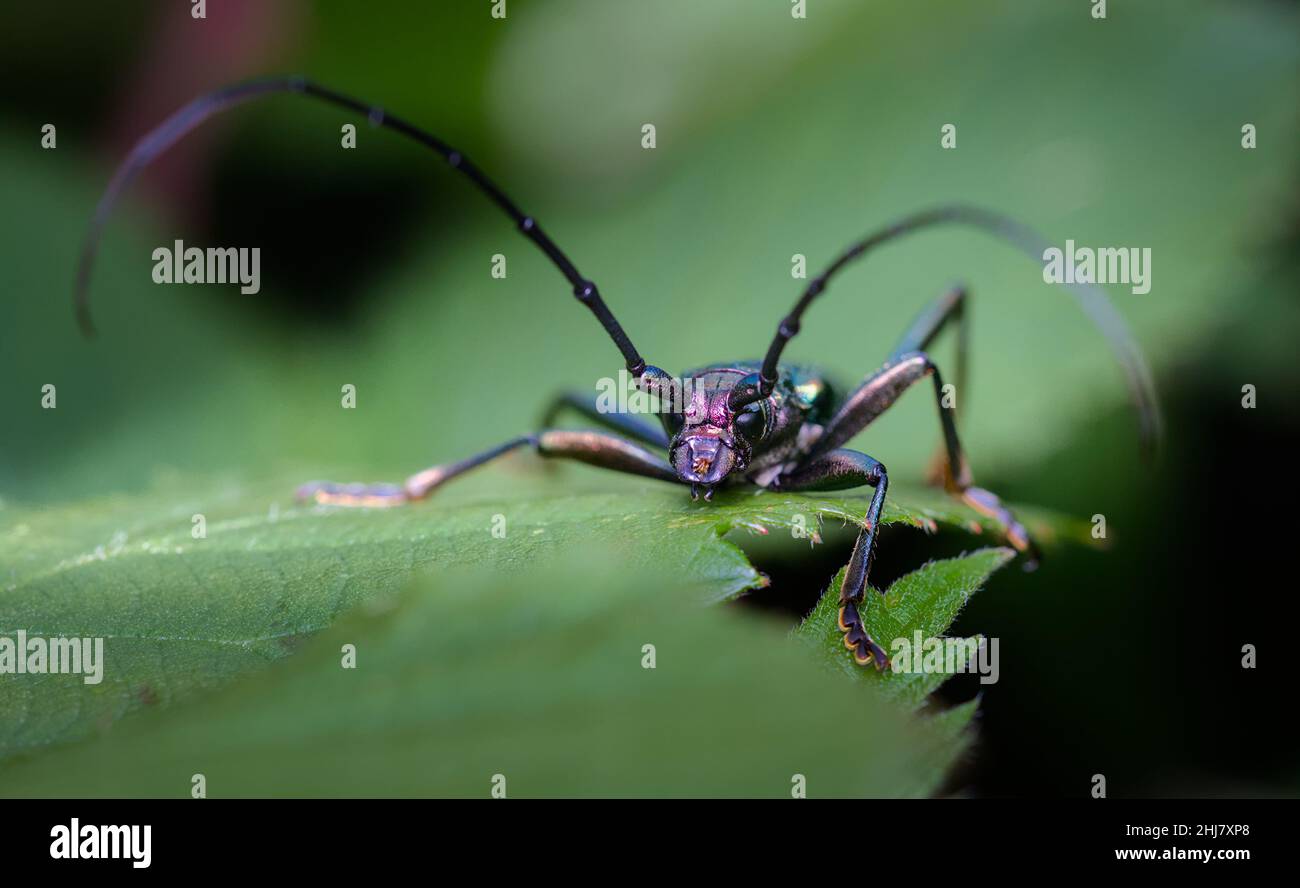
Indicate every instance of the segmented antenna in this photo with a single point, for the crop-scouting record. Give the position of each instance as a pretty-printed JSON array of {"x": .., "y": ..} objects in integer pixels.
[
  {"x": 1091, "y": 298},
  {"x": 190, "y": 116}
]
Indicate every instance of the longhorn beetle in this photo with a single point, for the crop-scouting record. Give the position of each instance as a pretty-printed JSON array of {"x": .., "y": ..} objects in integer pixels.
[{"x": 763, "y": 423}]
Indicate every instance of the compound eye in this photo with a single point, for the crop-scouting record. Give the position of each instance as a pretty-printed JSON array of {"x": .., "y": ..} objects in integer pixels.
[
  {"x": 750, "y": 422},
  {"x": 673, "y": 422}
]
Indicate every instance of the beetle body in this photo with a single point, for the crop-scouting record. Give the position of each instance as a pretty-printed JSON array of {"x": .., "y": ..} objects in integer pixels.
[{"x": 767, "y": 423}]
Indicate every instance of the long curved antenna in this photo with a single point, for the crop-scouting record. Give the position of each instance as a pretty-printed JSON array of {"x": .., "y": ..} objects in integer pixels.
[
  {"x": 1092, "y": 299},
  {"x": 190, "y": 116}
]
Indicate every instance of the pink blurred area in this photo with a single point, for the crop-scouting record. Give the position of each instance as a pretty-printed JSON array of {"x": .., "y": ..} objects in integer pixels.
[{"x": 184, "y": 57}]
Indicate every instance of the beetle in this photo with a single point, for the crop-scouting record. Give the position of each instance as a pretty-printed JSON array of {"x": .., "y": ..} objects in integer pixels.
[{"x": 763, "y": 423}]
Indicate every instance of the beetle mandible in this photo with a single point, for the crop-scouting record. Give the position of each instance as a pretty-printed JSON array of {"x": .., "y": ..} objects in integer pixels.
[{"x": 763, "y": 423}]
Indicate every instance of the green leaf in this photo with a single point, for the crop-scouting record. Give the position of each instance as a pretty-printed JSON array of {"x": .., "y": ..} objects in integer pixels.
[
  {"x": 180, "y": 614},
  {"x": 537, "y": 675},
  {"x": 927, "y": 600}
]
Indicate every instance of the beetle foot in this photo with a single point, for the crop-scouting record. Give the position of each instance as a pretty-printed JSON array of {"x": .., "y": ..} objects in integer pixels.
[
  {"x": 987, "y": 503},
  {"x": 865, "y": 650},
  {"x": 368, "y": 495}
]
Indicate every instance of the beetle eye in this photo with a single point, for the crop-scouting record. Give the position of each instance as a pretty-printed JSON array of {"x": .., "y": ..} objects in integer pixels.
[
  {"x": 673, "y": 422},
  {"x": 750, "y": 422}
]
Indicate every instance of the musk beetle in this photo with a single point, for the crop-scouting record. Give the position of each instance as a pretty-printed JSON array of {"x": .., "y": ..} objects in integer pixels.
[{"x": 762, "y": 423}]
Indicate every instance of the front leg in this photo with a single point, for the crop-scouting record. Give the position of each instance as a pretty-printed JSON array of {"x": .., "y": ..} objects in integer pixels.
[
  {"x": 634, "y": 426},
  {"x": 838, "y": 470},
  {"x": 595, "y": 448}
]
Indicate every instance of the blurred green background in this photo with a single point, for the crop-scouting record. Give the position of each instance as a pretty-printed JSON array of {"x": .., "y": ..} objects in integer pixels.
[{"x": 775, "y": 136}]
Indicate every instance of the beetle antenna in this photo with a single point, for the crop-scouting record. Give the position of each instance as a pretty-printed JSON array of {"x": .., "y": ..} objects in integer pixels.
[
  {"x": 1091, "y": 297},
  {"x": 197, "y": 111}
]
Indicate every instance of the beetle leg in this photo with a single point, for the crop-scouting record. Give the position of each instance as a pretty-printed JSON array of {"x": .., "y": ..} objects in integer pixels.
[
  {"x": 954, "y": 473},
  {"x": 880, "y": 390},
  {"x": 951, "y": 306},
  {"x": 877, "y": 394},
  {"x": 627, "y": 423},
  {"x": 838, "y": 470},
  {"x": 596, "y": 448}
]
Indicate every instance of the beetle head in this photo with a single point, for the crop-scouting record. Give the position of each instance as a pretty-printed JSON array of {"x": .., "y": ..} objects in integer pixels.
[{"x": 710, "y": 439}]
